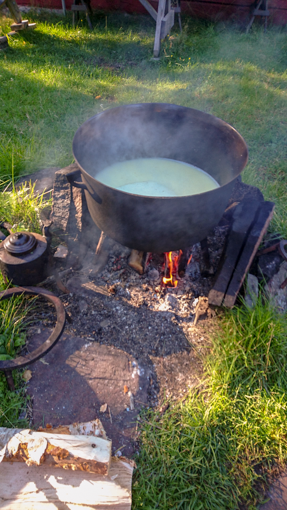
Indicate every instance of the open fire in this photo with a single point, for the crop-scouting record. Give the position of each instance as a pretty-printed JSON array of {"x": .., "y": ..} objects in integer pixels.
[{"x": 171, "y": 267}]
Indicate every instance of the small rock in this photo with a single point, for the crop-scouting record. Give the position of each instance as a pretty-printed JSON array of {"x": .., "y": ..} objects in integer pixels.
[
  {"x": 61, "y": 252},
  {"x": 172, "y": 301},
  {"x": 251, "y": 293},
  {"x": 132, "y": 400},
  {"x": 83, "y": 305},
  {"x": 278, "y": 296},
  {"x": 269, "y": 264},
  {"x": 103, "y": 408},
  {"x": 27, "y": 374},
  {"x": 104, "y": 323},
  {"x": 153, "y": 274}
]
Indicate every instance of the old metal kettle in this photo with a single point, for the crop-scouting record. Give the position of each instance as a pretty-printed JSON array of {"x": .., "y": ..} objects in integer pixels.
[{"x": 24, "y": 258}]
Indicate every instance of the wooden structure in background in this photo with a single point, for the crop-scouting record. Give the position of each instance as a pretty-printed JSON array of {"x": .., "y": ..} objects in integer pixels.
[
  {"x": 218, "y": 10},
  {"x": 80, "y": 6},
  {"x": 19, "y": 24},
  {"x": 164, "y": 18}
]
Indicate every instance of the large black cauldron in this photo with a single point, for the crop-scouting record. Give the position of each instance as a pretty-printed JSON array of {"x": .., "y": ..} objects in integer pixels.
[{"x": 157, "y": 130}]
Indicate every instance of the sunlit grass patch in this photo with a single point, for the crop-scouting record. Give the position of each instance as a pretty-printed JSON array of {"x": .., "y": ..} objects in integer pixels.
[
  {"x": 250, "y": 350},
  {"x": 216, "y": 449}
]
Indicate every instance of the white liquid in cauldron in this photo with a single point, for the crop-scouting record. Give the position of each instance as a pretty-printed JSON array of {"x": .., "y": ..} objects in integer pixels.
[{"x": 157, "y": 177}]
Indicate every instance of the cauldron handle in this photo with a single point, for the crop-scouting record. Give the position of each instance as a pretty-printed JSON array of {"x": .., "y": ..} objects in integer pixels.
[{"x": 71, "y": 179}]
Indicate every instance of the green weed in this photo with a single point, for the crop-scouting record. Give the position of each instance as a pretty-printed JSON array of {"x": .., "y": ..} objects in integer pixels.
[{"x": 21, "y": 208}]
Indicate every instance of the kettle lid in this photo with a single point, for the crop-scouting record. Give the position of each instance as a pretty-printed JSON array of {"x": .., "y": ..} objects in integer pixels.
[{"x": 20, "y": 243}]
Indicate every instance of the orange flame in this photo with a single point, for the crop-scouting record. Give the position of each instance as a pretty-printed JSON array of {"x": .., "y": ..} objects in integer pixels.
[
  {"x": 189, "y": 260},
  {"x": 172, "y": 265}
]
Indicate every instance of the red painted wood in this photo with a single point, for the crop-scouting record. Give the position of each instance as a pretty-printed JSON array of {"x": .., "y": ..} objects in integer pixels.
[{"x": 208, "y": 9}]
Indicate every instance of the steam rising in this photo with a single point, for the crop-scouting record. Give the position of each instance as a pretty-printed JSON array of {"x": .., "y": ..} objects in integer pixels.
[
  {"x": 155, "y": 130},
  {"x": 157, "y": 177}
]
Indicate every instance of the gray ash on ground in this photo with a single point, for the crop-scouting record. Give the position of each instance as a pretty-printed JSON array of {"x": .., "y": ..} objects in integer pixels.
[{"x": 136, "y": 313}]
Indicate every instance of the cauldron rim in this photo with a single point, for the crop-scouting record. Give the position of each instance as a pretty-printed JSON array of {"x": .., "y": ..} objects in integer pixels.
[{"x": 168, "y": 105}]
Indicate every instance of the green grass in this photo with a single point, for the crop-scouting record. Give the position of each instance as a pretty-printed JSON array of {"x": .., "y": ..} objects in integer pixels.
[
  {"x": 216, "y": 449},
  {"x": 51, "y": 79},
  {"x": 21, "y": 208},
  {"x": 14, "y": 318}
]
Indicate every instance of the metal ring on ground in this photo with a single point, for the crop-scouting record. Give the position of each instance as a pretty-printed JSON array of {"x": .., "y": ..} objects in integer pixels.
[{"x": 22, "y": 361}]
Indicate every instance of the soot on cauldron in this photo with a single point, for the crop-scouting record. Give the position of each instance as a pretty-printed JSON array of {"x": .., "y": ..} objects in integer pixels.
[{"x": 169, "y": 133}]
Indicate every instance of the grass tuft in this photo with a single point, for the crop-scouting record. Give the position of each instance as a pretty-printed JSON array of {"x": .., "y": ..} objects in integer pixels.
[
  {"x": 250, "y": 350},
  {"x": 216, "y": 449},
  {"x": 21, "y": 208}
]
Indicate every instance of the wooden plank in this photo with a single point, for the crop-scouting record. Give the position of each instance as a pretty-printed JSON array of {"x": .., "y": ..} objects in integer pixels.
[
  {"x": 149, "y": 8},
  {"x": 85, "y": 453},
  {"x": 160, "y": 15},
  {"x": 35, "y": 488},
  {"x": 167, "y": 24},
  {"x": 249, "y": 251},
  {"x": 79, "y": 8},
  {"x": 17, "y": 26},
  {"x": 244, "y": 216},
  {"x": 14, "y": 9}
]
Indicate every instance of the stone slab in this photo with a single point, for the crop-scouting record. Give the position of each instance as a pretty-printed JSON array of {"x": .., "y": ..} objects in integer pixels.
[
  {"x": 43, "y": 179},
  {"x": 78, "y": 376},
  {"x": 276, "y": 294}
]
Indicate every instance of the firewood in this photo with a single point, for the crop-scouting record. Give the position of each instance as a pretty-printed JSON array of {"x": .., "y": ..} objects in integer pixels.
[
  {"x": 244, "y": 215},
  {"x": 251, "y": 220},
  {"x": 248, "y": 253},
  {"x": 35, "y": 488},
  {"x": 136, "y": 261},
  {"x": 89, "y": 428},
  {"x": 75, "y": 452}
]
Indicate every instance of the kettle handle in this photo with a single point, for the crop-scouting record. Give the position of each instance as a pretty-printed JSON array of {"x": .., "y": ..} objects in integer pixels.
[{"x": 71, "y": 179}]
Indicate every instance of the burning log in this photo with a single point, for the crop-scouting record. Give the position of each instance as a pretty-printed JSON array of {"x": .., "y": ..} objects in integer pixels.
[
  {"x": 101, "y": 243},
  {"x": 102, "y": 252},
  {"x": 136, "y": 261},
  {"x": 183, "y": 261},
  {"x": 84, "y": 453}
]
